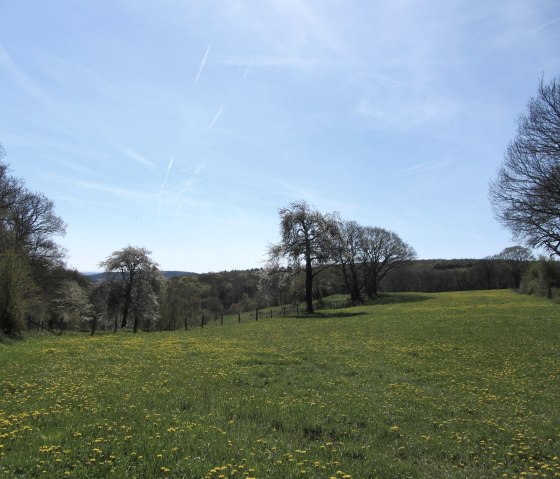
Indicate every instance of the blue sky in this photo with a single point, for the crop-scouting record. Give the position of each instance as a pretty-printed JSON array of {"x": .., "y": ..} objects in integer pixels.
[{"x": 182, "y": 126}]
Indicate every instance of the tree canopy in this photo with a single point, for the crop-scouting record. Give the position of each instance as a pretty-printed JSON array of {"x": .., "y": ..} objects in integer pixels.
[
  {"x": 136, "y": 278},
  {"x": 306, "y": 242},
  {"x": 30, "y": 258}
]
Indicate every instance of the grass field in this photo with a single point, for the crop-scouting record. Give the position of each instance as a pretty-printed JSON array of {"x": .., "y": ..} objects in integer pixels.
[{"x": 451, "y": 385}]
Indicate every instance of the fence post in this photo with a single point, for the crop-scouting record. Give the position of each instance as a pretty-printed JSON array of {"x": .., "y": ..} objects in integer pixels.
[
  {"x": 239, "y": 317},
  {"x": 257, "y": 315}
]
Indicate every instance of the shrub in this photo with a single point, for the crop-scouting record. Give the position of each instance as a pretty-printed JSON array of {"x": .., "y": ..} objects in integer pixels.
[{"x": 542, "y": 279}]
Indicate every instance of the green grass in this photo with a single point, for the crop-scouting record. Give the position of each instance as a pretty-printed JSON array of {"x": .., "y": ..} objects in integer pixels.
[{"x": 453, "y": 385}]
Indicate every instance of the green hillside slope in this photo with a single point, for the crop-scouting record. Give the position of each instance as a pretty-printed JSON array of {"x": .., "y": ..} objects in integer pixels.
[{"x": 451, "y": 385}]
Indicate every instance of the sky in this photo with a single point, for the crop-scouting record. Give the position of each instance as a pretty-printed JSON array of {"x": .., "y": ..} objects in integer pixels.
[{"x": 183, "y": 126}]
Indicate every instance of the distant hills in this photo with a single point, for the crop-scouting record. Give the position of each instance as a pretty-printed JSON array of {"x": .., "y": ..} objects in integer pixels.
[{"x": 95, "y": 277}]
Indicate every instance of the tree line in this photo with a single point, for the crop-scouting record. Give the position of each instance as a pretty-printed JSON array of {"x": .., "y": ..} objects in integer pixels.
[
  {"x": 33, "y": 277},
  {"x": 318, "y": 254}
]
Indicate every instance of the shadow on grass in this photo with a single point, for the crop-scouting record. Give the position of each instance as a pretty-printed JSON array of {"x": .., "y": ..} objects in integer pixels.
[
  {"x": 341, "y": 310},
  {"x": 397, "y": 298},
  {"x": 335, "y": 313}
]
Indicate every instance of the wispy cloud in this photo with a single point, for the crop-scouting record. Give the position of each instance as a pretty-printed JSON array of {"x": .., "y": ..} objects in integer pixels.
[
  {"x": 72, "y": 76},
  {"x": 22, "y": 80},
  {"x": 424, "y": 167},
  {"x": 183, "y": 186},
  {"x": 402, "y": 113},
  {"x": 274, "y": 61},
  {"x": 119, "y": 192},
  {"x": 196, "y": 169},
  {"x": 203, "y": 63},
  {"x": 136, "y": 157},
  {"x": 309, "y": 23}
]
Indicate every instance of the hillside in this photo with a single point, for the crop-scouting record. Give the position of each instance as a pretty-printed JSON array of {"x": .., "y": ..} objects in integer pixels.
[
  {"x": 450, "y": 385},
  {"x": 95, "y": 277}
]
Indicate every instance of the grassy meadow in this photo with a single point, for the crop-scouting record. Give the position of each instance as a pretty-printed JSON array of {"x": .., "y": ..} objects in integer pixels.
[{"x": 450, "y": 385}]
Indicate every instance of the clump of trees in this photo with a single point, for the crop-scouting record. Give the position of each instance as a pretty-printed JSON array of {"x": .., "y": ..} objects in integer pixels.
[
  {"x": 32, "y": 270},
  {"x": 132, "y": 287},
  {"x": 312, "y": 242}
]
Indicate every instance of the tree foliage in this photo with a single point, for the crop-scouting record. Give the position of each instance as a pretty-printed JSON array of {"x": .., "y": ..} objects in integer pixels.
[
  {"x": 136, "y": 279},
  {"x": 526, "y": 193},
  {"x": 306, "y": 242},
  {"x": 13, "y": 281},
  {"x": 181, "y": 302},
  {"x": 312, "y": 241},
  {"x": 70, "y": 303},
  {"x": 30, "y": 258}
]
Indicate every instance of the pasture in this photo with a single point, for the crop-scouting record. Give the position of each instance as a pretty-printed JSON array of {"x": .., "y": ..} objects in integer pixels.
[{"x": 450, "y": 385}]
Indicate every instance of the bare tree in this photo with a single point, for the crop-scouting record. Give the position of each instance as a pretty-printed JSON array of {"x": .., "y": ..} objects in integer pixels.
[
  {"x": 526, "y": 193},
  {"x": 306, "y": 242},
  {"x": 137, "y": 273},
  {"x": 382, "y": 251},
  {"x": 33, "y": 223},
  {"x": 349, "y": 256}
]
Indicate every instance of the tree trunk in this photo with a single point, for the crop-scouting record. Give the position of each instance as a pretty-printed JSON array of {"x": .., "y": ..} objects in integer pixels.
[
  {"x": 93, "y": 324},
  {"x": 125, "y": 312},
  {"x": 308, "y": 286},
  {"x": 127, "y": 302}
]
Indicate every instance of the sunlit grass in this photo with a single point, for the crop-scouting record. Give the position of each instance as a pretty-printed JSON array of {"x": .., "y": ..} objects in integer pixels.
[{"x": 458, "y": 385}]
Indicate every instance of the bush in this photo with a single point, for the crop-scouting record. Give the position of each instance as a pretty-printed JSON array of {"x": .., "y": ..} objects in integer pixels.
[{"x": 542, "y": 279}]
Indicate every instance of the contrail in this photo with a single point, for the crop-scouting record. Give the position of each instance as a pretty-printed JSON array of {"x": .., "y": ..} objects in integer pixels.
[
  {"x": 203, "y": 63},
  {"x": 532, "y": 30},
  {"x": 217, "y": 116},
  {"x": 247, "y": 70},
  {"x": 164, "y": 184},
  {"x": 136, "y": 157}
]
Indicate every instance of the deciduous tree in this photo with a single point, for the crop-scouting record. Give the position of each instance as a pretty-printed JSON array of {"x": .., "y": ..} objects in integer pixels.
[
  {"x": 382, "y": 251},
  {"x": 137, "y": 275},
  {"x": 13, "y": 284},
  {"x": 306, "y": 242},
  {"x": 515, "y": 260},
  {"x": 349, "y": 255},
  {"x": 526, "y": 193}
]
